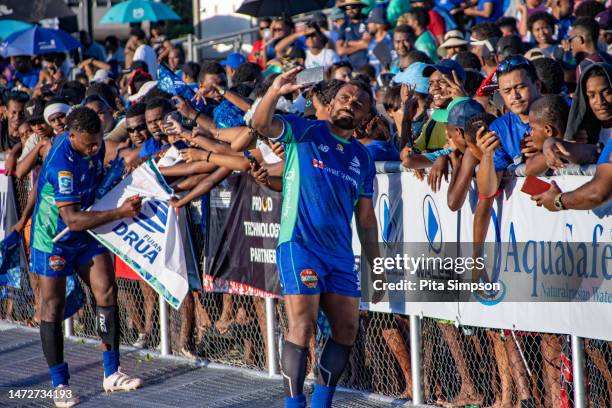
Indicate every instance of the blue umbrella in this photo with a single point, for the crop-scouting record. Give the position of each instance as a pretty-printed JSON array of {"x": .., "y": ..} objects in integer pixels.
[
  {"x": 37, "y": 41},
  {"x": 134, "y": 11},
  {"x": 8, "y": 27}
]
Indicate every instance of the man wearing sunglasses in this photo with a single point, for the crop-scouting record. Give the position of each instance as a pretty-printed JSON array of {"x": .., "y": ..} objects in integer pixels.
[
  {"x": 354, "y": 38},
  {"x": 519, "y": 87},
  {"x": 582, "y": 42}
]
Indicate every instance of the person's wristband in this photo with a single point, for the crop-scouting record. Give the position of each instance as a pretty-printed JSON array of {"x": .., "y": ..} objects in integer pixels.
[{"x": 208, "y": 157}]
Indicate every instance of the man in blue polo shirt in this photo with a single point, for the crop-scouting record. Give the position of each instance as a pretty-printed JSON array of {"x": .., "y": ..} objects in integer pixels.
[
  {"x": 519, "y": 87},
  {"x": 328, "y": 178}
]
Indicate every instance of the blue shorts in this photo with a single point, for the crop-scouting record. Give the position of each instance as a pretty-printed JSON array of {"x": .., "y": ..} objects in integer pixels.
[
  {"x": 304, "y": 272},
  {"x": 62, "y": 261}
]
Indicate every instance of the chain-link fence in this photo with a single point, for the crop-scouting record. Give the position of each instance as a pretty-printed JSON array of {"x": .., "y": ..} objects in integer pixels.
[{"x": 461, "y": 366}]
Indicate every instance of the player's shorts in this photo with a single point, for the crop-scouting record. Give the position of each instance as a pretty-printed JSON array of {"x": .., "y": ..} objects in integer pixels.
[
  {"x": 62, "y": 261},
  {"x": 304, "y": 272}
]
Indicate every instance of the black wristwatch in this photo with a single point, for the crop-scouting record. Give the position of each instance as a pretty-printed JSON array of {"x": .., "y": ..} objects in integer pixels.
[{"x": 558, "y": 203}]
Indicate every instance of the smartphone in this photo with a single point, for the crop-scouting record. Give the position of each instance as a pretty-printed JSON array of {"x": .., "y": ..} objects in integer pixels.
[
  {"x": 310, "y": 76},
  {"x": 180, "y": 145},
  {"x": 172, "y": 115},
  {"x": 267, "y": 33},
  {"x": 534, "y": 186},
  {"x": 251, "y": 159}
]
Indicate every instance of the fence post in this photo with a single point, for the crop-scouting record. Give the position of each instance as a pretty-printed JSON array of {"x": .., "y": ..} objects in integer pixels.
[
  {"x": 271, "y": 336},
  {"x": 578, "y": 372},
  {"x": 68, "y": 327},
  {"x": 190, "y": 47},
  {"x": 415, "y": 359},
  {"x": 164, "y": 332}
]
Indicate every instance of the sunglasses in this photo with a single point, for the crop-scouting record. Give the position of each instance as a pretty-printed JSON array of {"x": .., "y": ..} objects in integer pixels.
[
  {"x": 513, "y": 62},
  {"x": 311, "y": 35},
  {"x": 277, "y": 30},
  {"x": 138, "y": 128}
]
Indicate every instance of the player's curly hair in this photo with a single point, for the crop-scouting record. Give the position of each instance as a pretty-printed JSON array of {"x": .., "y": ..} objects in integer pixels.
[{"x": 83, "y": 119}]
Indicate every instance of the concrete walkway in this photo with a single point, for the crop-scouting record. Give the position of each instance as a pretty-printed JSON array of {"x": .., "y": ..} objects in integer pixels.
[{"x": 169, "y": 382}]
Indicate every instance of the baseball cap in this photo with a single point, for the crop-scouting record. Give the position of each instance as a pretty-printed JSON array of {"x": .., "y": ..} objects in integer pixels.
[
  {"x": 445, "y": 66},
  {"x": 377, "y": 16},
  {"x": 234, "y": 60},
  {"x": 34, "y": 111},
  {"x": 144, "y": 89},
  {"x": 463, "y": 111},
  {"x": 413, "y": 75},
  {"x": 604, "y": 19},
  {"x": 101, "y": 75},
  {"x": 441, "y": 115}
]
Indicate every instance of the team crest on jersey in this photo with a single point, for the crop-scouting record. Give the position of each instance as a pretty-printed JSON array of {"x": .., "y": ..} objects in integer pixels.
[
  {"x": 309, "y": 278},
  {"x": 57, "y": 263},
  {"x": 340, "y": 148},
  {"x": 65, "y": 181}
]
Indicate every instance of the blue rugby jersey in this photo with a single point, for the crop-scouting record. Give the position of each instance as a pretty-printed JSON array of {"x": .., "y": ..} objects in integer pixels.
[{"x": 324, "y": 177}]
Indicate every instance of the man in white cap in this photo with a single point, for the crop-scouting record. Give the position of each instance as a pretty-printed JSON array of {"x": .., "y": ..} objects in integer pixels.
[{"x": 55, "y": 115}]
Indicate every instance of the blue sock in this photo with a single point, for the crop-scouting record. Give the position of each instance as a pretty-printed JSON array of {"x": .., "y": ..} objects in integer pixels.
[
  {"x": 111, "y": 362},
  {"x": 322, "y": 396},
  {"x": 59, "y": 374},
  {"x": 295, "y": 402}
]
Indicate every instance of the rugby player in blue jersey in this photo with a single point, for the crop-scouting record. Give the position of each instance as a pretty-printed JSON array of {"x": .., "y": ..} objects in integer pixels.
[
  {"x": 69, "y": 178},
  {"x": 328, "y": 177}
]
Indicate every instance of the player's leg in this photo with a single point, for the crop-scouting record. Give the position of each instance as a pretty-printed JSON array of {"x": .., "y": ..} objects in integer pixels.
[
  {"x": 343, "y": 314},
  {"x": 52, "y": 302},
  {"x": 301, "y": 275},
  {"x": 302, "y": 313},
  {"x": 99, "y": 273}
]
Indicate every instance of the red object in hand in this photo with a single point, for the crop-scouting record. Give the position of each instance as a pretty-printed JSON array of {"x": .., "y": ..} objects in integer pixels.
[{"x": 534, "y": 186}]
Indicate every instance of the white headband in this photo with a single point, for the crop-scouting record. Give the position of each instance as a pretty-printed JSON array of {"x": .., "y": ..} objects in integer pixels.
[{"x": 55, "y": 108}]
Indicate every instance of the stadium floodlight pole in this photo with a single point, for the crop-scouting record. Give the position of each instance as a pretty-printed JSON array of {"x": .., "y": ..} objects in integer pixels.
[
  {"x": 164, "y": 333},
  {"x": 415, "y": 359},
  {"x": 271, "y": 337},
  {"x": 578, "y": 372}
]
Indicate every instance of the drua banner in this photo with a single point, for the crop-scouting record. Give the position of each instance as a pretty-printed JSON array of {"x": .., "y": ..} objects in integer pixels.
[{"x": 148, "y": 242}]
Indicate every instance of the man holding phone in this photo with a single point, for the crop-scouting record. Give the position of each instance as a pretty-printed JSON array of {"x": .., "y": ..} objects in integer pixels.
[
  {"x": 502, "y": 146},
  {"x": 328, "y": 177}
]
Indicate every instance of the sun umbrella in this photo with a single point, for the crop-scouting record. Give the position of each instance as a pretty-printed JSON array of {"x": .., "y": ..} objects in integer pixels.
[
  {"x": 8, "y": 27},
  {"x": 33, "y": 10},
  {"x": 134, "y": 11},
  {"x": 265, "y": 8},
  {"x": 37, "y": 41}
]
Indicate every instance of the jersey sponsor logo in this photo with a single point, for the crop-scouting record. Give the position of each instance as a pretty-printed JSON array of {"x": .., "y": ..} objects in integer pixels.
[
  {"x": 318, "y": 163},
  {"x": 57, "y": 262},
  {"x": 323, "y": 148},
  {"x": 309, "y": 278},
  {"x": 65, "y": 182},
  {"x": 340, "y": 148}
]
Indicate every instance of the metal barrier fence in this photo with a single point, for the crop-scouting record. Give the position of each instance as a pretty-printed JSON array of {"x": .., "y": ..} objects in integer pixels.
[{"x": 428, "y": 360}]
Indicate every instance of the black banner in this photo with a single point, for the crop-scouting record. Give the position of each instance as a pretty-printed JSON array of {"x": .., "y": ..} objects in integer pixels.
[{"x": 244, "y": 250}]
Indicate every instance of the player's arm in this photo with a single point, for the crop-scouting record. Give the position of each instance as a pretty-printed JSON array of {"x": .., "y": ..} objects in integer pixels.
[
  {"x": 78, "y": 220},
  {"x": 263, "y": 119}
]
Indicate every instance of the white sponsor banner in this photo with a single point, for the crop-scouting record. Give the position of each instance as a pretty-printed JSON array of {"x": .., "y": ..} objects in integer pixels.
[
  {"x": 150, "y": 243},
  {"x": 425, "y": 217}
]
